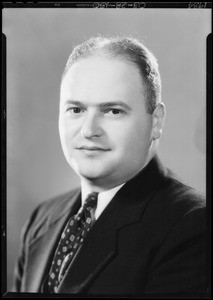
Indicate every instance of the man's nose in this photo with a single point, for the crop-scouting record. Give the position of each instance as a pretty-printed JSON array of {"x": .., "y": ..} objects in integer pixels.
[{"x": 91, "y": 127}]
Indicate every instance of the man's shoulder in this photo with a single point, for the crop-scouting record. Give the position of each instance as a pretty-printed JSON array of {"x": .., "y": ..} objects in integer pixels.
[
  {"x": 175, "y": 199},
  {"x": 57, "y": 203},
  {"x": 58, "y": 200},
  {"x": 182, "y": 193},
  {"x": 175, "y": 205},
  {"x": 48, "y": 211},
  {"x": 163, "y": 190},
  {"x": 165, "y": 186}
]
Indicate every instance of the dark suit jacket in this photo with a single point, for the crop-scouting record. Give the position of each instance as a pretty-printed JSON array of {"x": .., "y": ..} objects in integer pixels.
[{"x": 149, "y": 240}]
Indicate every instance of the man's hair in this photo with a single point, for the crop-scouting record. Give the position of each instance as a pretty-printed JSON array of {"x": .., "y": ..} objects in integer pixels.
[{"x": 129, "y": 50}]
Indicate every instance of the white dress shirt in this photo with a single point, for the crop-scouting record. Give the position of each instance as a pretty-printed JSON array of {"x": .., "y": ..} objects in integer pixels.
[{"x": 104, "y": 199}]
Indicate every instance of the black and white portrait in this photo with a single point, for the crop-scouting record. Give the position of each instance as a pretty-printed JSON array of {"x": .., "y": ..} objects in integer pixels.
[{"x": 110, "y": 103}]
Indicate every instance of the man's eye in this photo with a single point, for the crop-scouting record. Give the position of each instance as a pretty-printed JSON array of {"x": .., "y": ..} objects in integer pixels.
[
  {"x": 74, "y": 110},
  {"x": 114, "y": 111}
]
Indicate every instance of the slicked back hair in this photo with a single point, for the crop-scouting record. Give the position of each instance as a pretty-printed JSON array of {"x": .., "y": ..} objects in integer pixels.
[{"x": 129, "y": 50}]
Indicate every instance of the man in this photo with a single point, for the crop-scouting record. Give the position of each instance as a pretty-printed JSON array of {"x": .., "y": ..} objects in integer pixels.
[{"x": 144, "y": 233}]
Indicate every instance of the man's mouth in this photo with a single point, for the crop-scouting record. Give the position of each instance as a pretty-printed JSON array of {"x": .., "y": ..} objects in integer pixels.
[{"x": 91, "y": 149}]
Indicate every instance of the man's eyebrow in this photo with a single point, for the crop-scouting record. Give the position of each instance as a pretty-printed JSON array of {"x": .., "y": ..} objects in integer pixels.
[
  {"x": 101, "y": 105},
  {"x": 115, "y": 103},
  {"x": 74, "y": 102}
]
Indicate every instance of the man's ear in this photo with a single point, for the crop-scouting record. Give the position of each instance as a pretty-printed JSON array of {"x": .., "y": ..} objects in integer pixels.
[{"x": 158, "y": 117}]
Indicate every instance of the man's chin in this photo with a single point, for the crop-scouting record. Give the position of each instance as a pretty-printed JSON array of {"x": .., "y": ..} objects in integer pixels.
[
  {"x": 93, "y": 171},
  {"x": 91, "y": 176}
]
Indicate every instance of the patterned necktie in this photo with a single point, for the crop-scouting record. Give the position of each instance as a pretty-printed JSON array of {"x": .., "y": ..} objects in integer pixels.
[{"x": 71, "y": 239}]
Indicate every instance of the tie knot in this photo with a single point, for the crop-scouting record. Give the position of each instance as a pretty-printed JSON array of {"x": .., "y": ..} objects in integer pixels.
[{"x": 91, "y": 201}]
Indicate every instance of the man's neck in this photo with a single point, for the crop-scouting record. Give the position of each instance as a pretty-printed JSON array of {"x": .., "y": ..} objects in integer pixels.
[{"x": 91, "y": 186}]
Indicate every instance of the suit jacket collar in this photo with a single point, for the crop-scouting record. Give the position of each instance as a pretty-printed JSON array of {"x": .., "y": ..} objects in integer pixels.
[{"x": 136, "y": 194}]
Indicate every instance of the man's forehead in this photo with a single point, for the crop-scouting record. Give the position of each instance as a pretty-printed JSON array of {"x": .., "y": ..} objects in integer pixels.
[
  {"x": 100, "y": 66},
  {"x": 98, "y": 80},
  {"x": 101, "y": 75}
]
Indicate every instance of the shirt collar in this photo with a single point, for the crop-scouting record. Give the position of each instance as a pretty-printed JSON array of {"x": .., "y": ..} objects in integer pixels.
[{"x": 103, "y": 198}]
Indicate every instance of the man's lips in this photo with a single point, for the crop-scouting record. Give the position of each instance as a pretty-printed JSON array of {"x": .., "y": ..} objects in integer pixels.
[{"x": 92, "y": 148}]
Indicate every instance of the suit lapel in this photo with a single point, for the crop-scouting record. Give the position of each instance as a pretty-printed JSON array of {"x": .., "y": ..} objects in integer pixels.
[
  {"x": 40, "y": 252},
  {"x": 99, "y": 246},
  {"x": 42, "y": 248}
]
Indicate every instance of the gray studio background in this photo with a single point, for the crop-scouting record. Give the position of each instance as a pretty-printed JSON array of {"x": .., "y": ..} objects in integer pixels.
[{"x": 38, "y": 44}]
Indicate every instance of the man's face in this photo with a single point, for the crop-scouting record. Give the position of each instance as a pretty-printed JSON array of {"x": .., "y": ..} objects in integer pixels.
[{"x": 104, "y": 128}]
